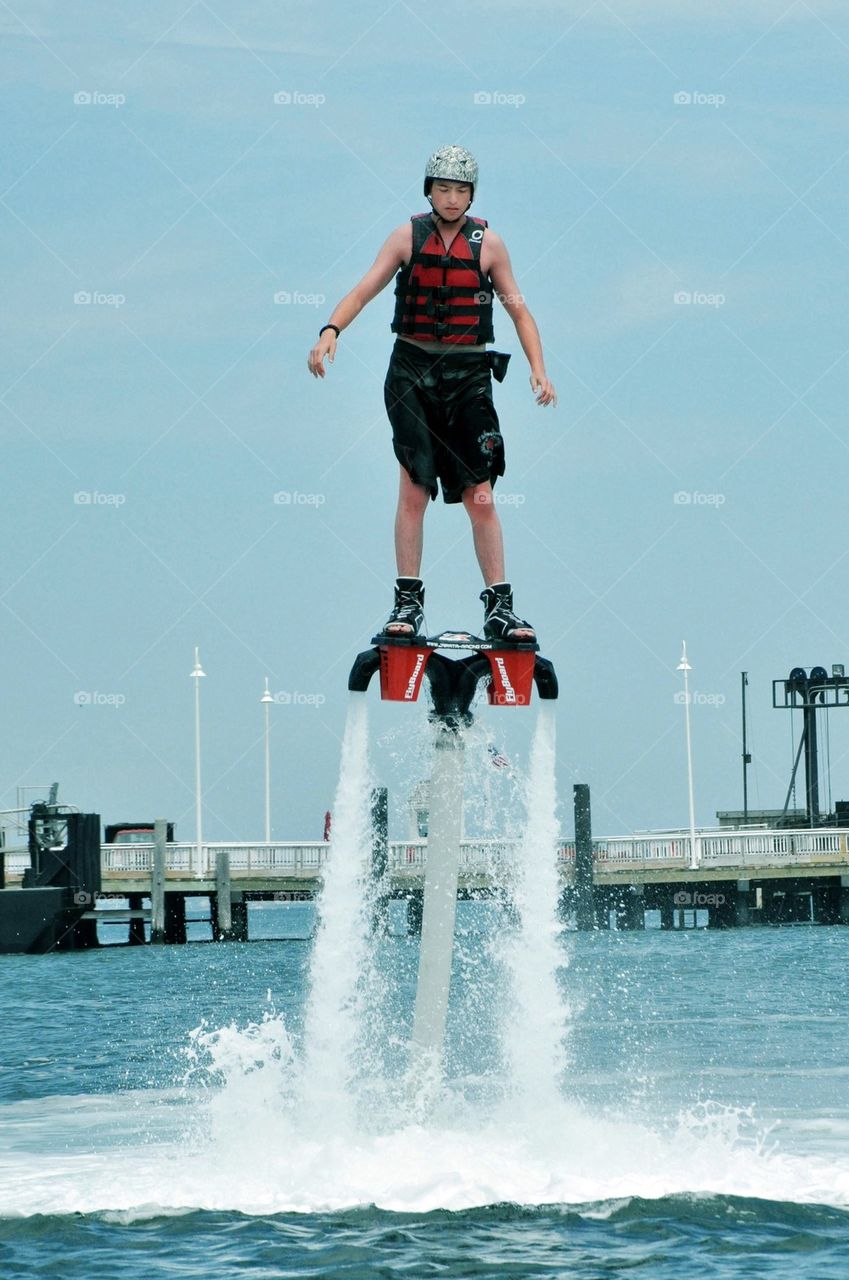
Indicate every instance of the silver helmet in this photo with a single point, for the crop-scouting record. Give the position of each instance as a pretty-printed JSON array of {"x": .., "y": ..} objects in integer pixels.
[{"x": 453, "y": 163}]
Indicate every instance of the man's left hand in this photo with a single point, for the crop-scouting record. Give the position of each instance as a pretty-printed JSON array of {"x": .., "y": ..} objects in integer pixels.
[{"x": 543, "y": 389}]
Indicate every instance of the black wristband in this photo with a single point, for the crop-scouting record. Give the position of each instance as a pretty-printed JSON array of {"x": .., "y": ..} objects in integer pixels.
[{"x": 334, "y": 327}]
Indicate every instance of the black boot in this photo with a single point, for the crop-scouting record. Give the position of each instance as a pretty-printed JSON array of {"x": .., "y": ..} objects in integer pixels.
[
  {"x": 500, "y": 622},
  {"x": 408, "y": 615}
]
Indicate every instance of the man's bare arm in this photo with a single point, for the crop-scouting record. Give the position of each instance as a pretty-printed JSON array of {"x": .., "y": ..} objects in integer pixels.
[
  {"x": 393, "y": 254},
  {"x": 507, "y": 290}
]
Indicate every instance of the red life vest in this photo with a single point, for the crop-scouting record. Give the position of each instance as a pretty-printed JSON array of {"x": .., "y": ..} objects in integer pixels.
[{"x": 444, "y": 297}]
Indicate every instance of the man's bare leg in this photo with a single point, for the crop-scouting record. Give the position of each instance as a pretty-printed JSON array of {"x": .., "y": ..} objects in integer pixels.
[
  {"x": 489, "y": 542},
  {"x": 413, "y": 500},
  {"x": 486, "y": 530}
]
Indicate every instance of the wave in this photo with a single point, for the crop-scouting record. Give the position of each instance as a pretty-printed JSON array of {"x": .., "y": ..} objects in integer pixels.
[{"x": 241, "y": 1144}]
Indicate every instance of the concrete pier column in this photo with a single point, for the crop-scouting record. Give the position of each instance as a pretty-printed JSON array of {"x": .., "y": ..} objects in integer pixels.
[
  {"x": 566, "y": 906},
  {"x": 175, "y": 917},
  {"x": 776, "y": 907},
  {"x": 667, "y": 910},
  {"x": 415, "y": 912},
  {"x": 157, "y": 882},
  {"x": 224, "y": 910},
  {"x": 844, "y": 900},
  {"x": 379, "y": 859},
  {"x": 827, "y": 902},
  {"x": 135, "y": 932},
  {"x": 722, "y": 914},
  {"x": 742, "y": 910},
  {"x": 602, "y": 906},
  {"x": 585, "y": 915},
  {"x": 238, "y": 917},
  {"x": 630, "y": 907}
]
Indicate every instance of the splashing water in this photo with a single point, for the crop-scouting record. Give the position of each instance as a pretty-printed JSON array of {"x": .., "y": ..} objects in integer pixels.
[
  {"x": 265, "y": 1125},
  {"x": 333, "y": 1005},
  {"x": 535, "y": 1016}
]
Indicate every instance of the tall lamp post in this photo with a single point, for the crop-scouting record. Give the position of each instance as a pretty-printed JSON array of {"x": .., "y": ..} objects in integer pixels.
[
  {"x": 197, "y": 674},
  {"x": 684, "y": 666},
  {"x": 266, "y": 700}
]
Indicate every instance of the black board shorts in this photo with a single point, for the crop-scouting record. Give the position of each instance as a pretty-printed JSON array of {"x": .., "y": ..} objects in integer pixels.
[{"x": 444, "y": 424}]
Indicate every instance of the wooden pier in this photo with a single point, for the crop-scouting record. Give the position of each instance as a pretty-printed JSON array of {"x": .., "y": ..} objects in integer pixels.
[{"x": 725, "y": 879}]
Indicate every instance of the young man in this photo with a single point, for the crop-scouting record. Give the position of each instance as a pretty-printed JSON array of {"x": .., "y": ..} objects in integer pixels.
[{"x": 438, "y": 390}]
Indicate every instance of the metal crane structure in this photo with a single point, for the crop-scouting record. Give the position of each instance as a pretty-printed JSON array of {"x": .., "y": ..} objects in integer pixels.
[{"x": 810, "y": 691}]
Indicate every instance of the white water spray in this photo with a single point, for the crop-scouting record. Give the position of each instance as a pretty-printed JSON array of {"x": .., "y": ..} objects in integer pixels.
[
  {"x": 250, "y": 1137},
  {"x": 333, "y": 1017},
  {"x": 535, "y": 1016}
]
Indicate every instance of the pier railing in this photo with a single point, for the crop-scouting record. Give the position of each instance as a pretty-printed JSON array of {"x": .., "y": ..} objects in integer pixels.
[{"x": 304, "y": 859}]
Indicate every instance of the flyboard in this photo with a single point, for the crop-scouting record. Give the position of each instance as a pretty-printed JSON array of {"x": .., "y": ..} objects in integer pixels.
[{"x": 405, "y": 662}]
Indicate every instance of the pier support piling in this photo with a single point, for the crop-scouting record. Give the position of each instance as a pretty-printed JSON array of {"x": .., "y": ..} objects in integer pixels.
[
  {"x": 175, "y": 917},
  {"x": 585, "y": 914},
  {"x": 238, "y": 917},
  {"x": 224, "y": 910},
  {"x": 667, "y": 910},
  {"x": 135, "y": 932},
  {"x": 630, "y": 909},
  {"x": 415, "y": 911},
  {"x": 157, "y": 882},
  {"x": 379, "y": 859},
  {"x": 742, "y": 907},
  {"x": 843, "y": 908}
]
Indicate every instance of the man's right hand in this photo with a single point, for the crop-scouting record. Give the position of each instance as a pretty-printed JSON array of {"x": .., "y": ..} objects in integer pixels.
[{"x": 326, "y": 346}]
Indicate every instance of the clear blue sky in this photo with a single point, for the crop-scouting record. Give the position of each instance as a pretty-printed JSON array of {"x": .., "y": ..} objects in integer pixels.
[{"x": 631, "y": 152}]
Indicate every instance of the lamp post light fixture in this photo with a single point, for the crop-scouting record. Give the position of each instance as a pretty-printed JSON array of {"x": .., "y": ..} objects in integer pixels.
[{"x": 684, "y": 666}]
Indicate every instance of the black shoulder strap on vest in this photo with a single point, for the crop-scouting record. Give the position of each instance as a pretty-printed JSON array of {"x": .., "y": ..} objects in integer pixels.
[{"x": 424, "y": 226}]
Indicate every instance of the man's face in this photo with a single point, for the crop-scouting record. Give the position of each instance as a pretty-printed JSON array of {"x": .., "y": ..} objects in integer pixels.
[{"x": 450, "y": 200}]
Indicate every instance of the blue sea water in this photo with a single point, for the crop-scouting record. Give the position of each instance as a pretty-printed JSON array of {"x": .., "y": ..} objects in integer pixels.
[{"x": 703, "y": 1125}]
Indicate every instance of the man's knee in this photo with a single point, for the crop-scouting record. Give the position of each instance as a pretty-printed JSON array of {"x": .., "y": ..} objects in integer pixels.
[
  {"x": 479, "y": 501},
  {"x": 413, "y": 498}
]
